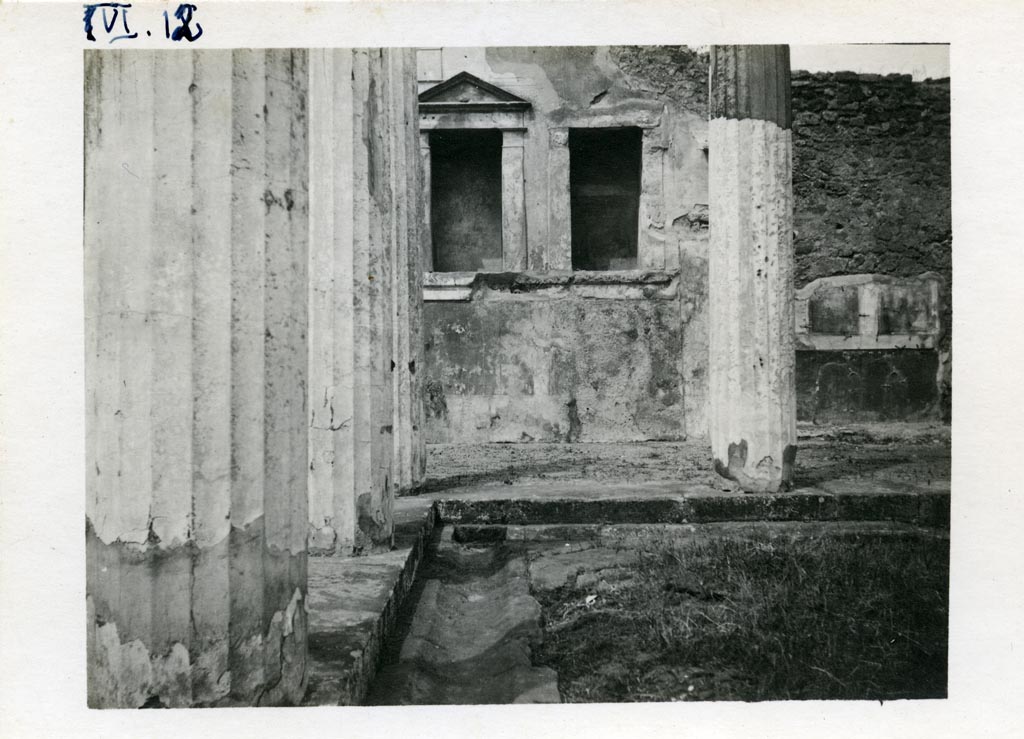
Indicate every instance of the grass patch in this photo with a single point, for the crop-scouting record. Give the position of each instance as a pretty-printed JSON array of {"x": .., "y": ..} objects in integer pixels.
[{"x": 838, "y": 617}]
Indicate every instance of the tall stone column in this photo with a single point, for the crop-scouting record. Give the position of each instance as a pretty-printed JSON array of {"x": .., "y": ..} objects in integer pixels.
[
  {"x": 420, "y": 261},
  {"x": 750, "y": 285},
  {"x": 406, "y": 219},
  {"x": 365, "y": 295},
  {"x": 195, "y": 268}
]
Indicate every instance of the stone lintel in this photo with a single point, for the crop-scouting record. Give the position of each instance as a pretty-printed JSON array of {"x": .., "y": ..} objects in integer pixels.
[{"x": 504, "y": 120}]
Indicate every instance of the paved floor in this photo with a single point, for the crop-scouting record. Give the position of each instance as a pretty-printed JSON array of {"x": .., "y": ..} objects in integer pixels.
[{"x": 903, "y": 456}]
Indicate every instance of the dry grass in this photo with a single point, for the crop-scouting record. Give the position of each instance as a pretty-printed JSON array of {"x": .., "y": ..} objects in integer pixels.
[{"x": 852, "y": 617}]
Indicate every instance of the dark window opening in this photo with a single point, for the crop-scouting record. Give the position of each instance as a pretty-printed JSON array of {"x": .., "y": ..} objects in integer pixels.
[
  {"x": 465, "y": 200},
  {"x": 604, "y": 197}
]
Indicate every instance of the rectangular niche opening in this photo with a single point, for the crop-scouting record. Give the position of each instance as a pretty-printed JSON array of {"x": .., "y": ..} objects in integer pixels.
[
  {"x": 465, "y": 200},
  {"x": 604, "y": 197}
]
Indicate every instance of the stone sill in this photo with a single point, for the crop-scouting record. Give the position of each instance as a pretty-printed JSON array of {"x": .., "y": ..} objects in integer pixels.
[{"x": 633, "y": 284}]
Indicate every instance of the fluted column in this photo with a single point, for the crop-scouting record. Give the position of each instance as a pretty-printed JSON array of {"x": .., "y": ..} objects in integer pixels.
[
  {"x": 195, "y": 268},
  {"x": 753, "y": 399},
  {"x": 420, "y": 261},
  {"x": 365, "y": 225},
  {"x": 409, "y": 223}
]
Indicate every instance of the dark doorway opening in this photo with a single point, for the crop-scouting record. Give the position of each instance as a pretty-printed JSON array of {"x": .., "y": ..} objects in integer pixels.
[
  {"x": 604, "y": 193},
  {"x": 465, "y": 200}
]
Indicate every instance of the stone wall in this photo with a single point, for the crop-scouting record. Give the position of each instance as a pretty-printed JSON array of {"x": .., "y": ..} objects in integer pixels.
[
  {"x": 662, "y": 91},
  {"x": 871, "y": 175},
  {"x": 586, "y": 356},
  {"x": 871, "y": 183}
]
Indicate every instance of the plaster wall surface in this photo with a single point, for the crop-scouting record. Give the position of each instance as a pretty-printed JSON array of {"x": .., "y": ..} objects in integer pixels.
[
  {"x": 662, "y": 91},
  {"x": 196, "y": 236},
  {"x": 556, "y": 360}
]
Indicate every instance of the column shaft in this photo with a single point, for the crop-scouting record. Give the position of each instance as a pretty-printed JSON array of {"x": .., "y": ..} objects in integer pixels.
[
  {"x": 195, "y": 248},
  {"x": 753, "y": 400},
  {"x": 365, "y": 292},
  {"x": 420, "y": 260}
]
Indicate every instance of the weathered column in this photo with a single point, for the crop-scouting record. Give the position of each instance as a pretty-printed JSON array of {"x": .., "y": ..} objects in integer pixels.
[
  {"x": 332, "y": 306},
  {"x": 365, "y": 443},
  {"x": 406, "y": 272},
  {"x": 374, "y": 503},
  {"x": 420, "y": 261},
  {"x": 195, "y": 271},
  {"x": 753, "y": 400},
  {"x": 513, "y": 202}
]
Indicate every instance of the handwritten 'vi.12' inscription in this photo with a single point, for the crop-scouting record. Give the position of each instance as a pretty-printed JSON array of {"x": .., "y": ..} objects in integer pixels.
[{"x": 110, "y": 21}]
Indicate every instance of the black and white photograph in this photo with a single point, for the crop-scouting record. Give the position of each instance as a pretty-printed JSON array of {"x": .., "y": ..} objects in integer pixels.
[
  {"x": 516, "y": 374},
  {"x": 422, "y": 373}
]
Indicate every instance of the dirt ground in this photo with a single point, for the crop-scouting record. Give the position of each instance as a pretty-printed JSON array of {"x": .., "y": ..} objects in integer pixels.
[{"x": 895, "y": 454}]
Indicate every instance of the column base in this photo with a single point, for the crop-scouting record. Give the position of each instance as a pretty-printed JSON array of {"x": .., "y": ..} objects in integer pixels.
[{"x": 769, "y": 477}]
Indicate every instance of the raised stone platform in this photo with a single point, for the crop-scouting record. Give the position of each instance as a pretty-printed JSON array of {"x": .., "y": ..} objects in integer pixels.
[
  {"x": 582, "y": 502},
  {"x": 353, "y": 605}
]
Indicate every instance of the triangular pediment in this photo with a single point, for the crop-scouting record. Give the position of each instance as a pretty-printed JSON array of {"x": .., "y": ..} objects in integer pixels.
[{"x": 465, "y": 90}]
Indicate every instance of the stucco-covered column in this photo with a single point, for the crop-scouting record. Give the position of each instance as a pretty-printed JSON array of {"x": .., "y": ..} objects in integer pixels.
[
  {"x": 195, "y": 267},
  {"x": 753, "y": 399},
  {"x": 513, "y": 202},
  {"x": 406, "y": 273},
  {"x": 365, "y": 443}
]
